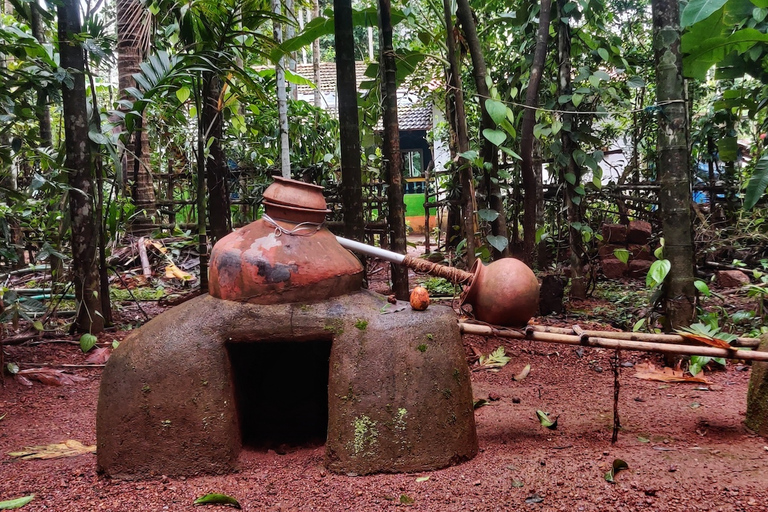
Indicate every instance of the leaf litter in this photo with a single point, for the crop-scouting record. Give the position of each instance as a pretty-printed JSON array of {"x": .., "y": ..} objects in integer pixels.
[
  {"x": 68, "y": 448},
  {"x": 648, "y": 371}
]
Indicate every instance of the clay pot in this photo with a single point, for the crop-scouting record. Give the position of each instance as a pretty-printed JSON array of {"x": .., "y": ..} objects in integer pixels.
[
  {"x": 296, "y": 194},
  {"x": 294, "y": 214},
  {"x": 506, "y": 292}
]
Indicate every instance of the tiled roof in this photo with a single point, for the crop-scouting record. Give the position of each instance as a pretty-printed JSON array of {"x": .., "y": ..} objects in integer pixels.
[
  {"x": 411, "y": 118},
  {"x": 327, "y": 76}
]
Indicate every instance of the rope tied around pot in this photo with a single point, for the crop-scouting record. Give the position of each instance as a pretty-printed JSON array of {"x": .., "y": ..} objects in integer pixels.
[
  {"x": 452, "y": 274},
  {"x": 300, "y": 229}
]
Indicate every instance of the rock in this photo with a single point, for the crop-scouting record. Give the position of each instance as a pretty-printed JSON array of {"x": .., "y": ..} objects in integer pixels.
[
  {"x": 615, "y": 233},
  {"x": 757, "y": 395},
  {"x": 638, "y": 269},
  {"x": 732, "y": 278},
  {"x": 639, "y": 232},
  {"x": 607, "y": 250},
  {"x": 641, "y": 252},
  {"x": 613, "y": 268}
]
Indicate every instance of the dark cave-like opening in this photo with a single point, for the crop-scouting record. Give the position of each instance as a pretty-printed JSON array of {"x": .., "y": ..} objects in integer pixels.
[{"x": 281, "y": 391}]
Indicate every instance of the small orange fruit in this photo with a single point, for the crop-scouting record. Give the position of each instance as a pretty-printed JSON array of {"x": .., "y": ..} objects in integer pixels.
[{"x": 419, "y": 298}]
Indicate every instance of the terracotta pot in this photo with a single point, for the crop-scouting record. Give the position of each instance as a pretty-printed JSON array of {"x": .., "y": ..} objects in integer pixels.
[
  {"x": 506, "y": 292},
  {"x": 296, "y": 194},
  {"x": 293, "y": 213}
]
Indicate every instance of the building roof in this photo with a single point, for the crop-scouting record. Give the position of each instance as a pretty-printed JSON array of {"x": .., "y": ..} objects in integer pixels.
[{"x": 327, "y": 76}]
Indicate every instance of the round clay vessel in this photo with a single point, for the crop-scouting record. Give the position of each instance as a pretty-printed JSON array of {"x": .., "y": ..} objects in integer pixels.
[
  {"x": 295, "y": 193},
  {"x": 293, "y": 213},
  {"x": 506, "y": 292}
]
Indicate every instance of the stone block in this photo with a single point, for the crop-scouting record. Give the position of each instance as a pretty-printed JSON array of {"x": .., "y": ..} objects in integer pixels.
[
  {"x": 613, "y": 268},
  {"x": 757, "y": 394},
  {"x": 614, "y": 233},
  {"x": 639, "y": 232},
  {"x": 638, "y": 269},
  {"x": 606, "y": 251},
  {"x": 732, "y": 278},
  {"x": 641, "y": 252}
]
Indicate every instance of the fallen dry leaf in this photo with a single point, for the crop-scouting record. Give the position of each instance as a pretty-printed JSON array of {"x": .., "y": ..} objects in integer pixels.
[
  {"x": 712, "y": 342},
  {"x": 523, "y": 373},
  {"x": 172, "y": 271},
  {"x": 648, "y": 371},
  {"x": 69, "y": 448},
  {"x": 99, "y": 356},
  {"x": 50, "y": 376}
]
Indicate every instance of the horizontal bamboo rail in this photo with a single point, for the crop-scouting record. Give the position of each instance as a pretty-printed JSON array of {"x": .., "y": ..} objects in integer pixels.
[
  {"x": 531, "y": 334},
  {"x": 638, "y": 336}
]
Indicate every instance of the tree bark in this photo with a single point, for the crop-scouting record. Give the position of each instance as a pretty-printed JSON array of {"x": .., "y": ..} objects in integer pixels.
[
  {"x": 349, "y": 129},
  {"x": 526, "y": 134},
  {"x": 85, "y": 268},
  {"x": 316, "y": 57},
  {"x": 130, "y": 53},
  {"x": 490, "y": 152},
  {"x": 459, "y": 122},
  {"x": 282, "y": 100},
  {"x": 216, "y": 170},
  {"x": 393, "y": 158},
  {"x": 572, "y": 199},
  {"x": 674, "y": 180}
]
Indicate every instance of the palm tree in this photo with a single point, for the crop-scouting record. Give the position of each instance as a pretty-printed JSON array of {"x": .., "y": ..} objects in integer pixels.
[{"x": 133, "y": 33}]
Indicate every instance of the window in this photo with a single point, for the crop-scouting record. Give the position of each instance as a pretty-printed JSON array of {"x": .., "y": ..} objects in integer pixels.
[{"x": 413, "y": 163}]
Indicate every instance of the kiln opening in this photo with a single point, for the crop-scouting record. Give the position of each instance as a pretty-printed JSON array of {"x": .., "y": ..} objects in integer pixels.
[{"x": 282, "y": 392}]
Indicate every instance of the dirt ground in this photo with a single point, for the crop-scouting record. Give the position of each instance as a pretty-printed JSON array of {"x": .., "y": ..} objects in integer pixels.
[{"x": 685, "y": 445}]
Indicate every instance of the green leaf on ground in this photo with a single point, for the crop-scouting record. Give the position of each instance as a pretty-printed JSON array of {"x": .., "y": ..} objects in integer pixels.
[
  {"x": 495, "y": 359},
  {"x": 618, "y": 465},
  {"x": 406, "y": 500},
  {"x": 215, "y": 498},
  {"x": 545, "y": 421},
  {"x": 87, "y": 342},
  {"x": 16, "y": 503}
]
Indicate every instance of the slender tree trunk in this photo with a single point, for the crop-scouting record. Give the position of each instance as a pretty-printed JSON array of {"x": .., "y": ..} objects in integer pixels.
[
  {"x": 290, "y": 32},
  {"x": 282, "y": 103},
  {"x": 490, "y": 152},
  {"x": 349, "y": 128},
  {"x": 316, "y": 57},
  {"x": 78, "y": 163},
  {"x": 43, "y": 112},
  {"x": 393, "y": 158},
  {"x": 571, "y": 169},
  {"x": 462, "y": 139},
  {"x": 526, "y": 133},
  {"x": 216, "y": 170},
  {"x": 131, "y": 17},
  {"x": 202, "y": 232},
  {"x": 675, "y": 192}
]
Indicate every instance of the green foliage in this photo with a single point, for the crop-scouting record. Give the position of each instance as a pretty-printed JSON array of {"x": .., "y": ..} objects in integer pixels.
[{"x": 439, "y": 287}]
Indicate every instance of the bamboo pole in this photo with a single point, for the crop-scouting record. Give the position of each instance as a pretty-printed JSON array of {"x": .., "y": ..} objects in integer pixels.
[
  {"x": 636, "y": 336},
  {"x": 601, "y": 342}
]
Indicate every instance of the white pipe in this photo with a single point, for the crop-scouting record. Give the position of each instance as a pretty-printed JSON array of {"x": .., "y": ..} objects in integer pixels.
[{"x": 371, "y": 251}]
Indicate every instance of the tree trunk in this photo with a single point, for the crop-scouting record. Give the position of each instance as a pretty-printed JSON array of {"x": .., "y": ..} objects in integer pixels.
[
  {"x": 43, "y": 112},
  {"x": 130, "y": 25},
  {"x": 216, "y": 171},
  {"x": 526, "y": 134},
  {"x": 462, "y": 139},
  {"x": 282, "y": 100},
  {"x": 85, "y": 268},
  {"x": 393, "y": 158},
  {"x": 290, "y": 32},
  {"x": 316, "y": 57},
  {"x": 349, "y": 129},
  {"x": 675, "y": 186},
  {"x": 572, "y": 198},
  {"x": 490, "y": 152}
]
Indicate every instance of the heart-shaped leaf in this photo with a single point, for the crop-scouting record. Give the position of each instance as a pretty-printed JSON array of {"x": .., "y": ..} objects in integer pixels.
[
  {"x": 497, "y": 137},
  {"x": 498, "y": 242}
]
